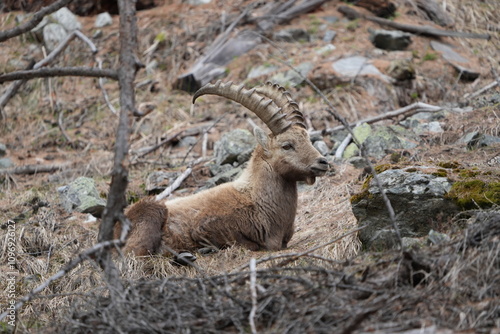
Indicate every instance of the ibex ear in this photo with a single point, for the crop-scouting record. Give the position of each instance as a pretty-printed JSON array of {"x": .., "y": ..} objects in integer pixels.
[{"x": 261, "y": 137}]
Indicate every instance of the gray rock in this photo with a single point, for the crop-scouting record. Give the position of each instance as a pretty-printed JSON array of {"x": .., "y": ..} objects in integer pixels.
[
  {"x": 67, "y": 19},
  {"x": 53, "y": 34},
  {"x": 157, "y": 181},
  {"x": 390, "y": 39},
  {"x": 102, "y": 20},
  {"x": 81, "y": 195},
  {"x": 466, "y": 74},
  {"x": 232, "y": 144},
  {"x": 227, "y": 176},
  {"x": 409, "y": 243},
  {"x": 331, "y": 19},
  {"x": 6, "y": 163},
  {"x": 261, "y": 70},
  {"x": 436, "y": 238},
  {"x": 448, "y": 52},
  {"x": 292, "y": 35},
  {"x": 216, "y": 169},
  {"x": 329, "y": 36},
  {"x": 431, "y": 127},
  {"x": 418, "y": 200},
  {"x": 291, "y": 78},
  {"x": 3, "y": 150},
  {"x": 358, "y": 66},
  {"x": 188, "y": 141},
  {"x": 476, "y": 139},
  {"x": 321, "y": 147},
  {"x": 378, "y": 142},
  {"x": 358, "y": 162}
]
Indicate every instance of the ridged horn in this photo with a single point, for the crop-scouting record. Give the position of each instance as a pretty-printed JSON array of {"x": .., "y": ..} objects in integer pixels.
[
  {"x": 261, "y": 106},
  {"x": 283, "y": 100}
]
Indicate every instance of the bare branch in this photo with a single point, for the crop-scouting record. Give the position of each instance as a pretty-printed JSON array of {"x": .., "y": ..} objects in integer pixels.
[
  {"x": 170, "y": 189},
  {"x": 104, "y": 93},
  {"x": 482, "y": 90},
  {"x": 253, "y": 291},
  {"x": 37, "y": 18},
  {"x": 34, "y": 169},
  {"x": 59, "y": 72}
]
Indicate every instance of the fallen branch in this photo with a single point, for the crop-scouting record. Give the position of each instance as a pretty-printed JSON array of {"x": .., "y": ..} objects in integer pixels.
[
  {"x": 482, "y": 90},
  {"x": 419, "y": 30},
  {"x": 34, "y": 169},
  {"x": 104, "y": 93},
  {"x": 178, "y": 181},
  {"x": 59, "y": 72},
  {"x": 145, "y": 151},
  {"x": 37, "y": 18},
  {"x": 418, "y": 106},
  {"x": 340, "y": 150}
]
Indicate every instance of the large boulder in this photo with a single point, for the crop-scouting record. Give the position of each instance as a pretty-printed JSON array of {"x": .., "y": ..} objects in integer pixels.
[{"x": 419, "y": 204}]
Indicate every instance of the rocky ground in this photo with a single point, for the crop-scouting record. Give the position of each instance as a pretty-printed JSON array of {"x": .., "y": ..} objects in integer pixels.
[{"x": 449, "y": 157}]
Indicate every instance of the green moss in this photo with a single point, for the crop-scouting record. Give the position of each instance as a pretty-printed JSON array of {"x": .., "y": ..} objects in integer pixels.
[
  {"x": 358, "y": 197},
  {"x": 382, "y": 168},
  {"x": 472, "y": 194},
  {"x": 440, "y": 173},
  {"x": 466, "y": 173},
  {"x": 449, "y": 164}
]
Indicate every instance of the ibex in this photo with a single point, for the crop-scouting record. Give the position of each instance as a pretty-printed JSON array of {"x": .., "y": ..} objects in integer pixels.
[{"x": 258, "y": 209}]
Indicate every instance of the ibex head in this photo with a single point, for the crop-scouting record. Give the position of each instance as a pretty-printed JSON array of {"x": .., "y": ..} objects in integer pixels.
[{"x": 288, "y": 150}]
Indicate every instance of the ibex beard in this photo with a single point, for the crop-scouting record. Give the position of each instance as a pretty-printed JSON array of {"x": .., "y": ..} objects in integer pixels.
[{"x": 258, "y": 209}]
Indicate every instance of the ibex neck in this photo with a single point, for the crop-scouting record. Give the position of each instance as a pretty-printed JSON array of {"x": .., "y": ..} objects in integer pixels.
[{"x": 262, "y": 182}]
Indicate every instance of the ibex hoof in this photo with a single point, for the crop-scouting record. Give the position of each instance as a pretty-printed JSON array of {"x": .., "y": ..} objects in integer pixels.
[{"x": 184, "y": 259}]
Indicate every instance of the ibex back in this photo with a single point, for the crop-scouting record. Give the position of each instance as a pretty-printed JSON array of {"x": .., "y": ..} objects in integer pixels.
[{"x": 258, "y": 209}]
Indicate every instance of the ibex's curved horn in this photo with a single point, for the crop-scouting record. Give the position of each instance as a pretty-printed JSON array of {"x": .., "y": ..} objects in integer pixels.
[
  {"x": 271, "y": 115},
  {"x": 283, "y": 100}
]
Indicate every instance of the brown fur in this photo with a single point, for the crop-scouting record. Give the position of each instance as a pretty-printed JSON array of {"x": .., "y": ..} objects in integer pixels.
[
  {"x": 256, "y": 211},
  {"x": 147, "y": 218}
]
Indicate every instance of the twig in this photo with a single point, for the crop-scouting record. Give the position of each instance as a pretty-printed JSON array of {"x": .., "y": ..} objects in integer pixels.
[
  {"x": 340, "y": 150},
  {"x": 104, "y": 93},
  {"x": 61, "y": 127},
  {"x": 420, "y": 106},
  {"x": 204, "y": 145},
  {"x": 67, "y": 268},
  {"x": 482, "y": 90},
  {"x": 168, "y": 191},
  {"x": 147, "y": 150},
  {"x": 59, "y": 72},
  {"x": 37, "y": 18},
  {"x": 12, "y": 90},
  {"x": 253, "y": 291},
  {"x": 33, "y": 169}
]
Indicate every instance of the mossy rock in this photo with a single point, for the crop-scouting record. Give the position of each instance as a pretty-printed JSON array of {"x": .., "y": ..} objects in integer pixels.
[{"x": 471, "y": 194}]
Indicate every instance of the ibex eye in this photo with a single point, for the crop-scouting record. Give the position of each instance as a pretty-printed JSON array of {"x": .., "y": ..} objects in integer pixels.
[{"x": 287, "y": 146}]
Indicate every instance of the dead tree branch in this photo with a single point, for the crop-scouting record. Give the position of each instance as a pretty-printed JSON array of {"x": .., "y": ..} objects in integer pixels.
[
  {"x": 418, "y": 30},
  {"x": 119, "y": 175},
  {"x": 37, "y": 18},
  {"x": 33, "y": 169},
  {"x": 170, "y": 189},
  {"x": 59, "y": 72}
]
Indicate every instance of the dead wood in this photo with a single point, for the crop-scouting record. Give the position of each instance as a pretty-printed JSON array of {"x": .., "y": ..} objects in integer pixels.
[
  {"x": 418, "y": 30},
  {"x": 59, "y": 72},
  {"x": 382, "y": 8},
  {"x": 119, "y": 175},
  {"x": 34, "y": 169},
  {"x": 225, "y": 49}
]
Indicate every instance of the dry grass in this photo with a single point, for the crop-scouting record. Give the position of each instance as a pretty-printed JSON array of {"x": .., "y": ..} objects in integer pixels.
[{"x": 327, "y": 291}]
